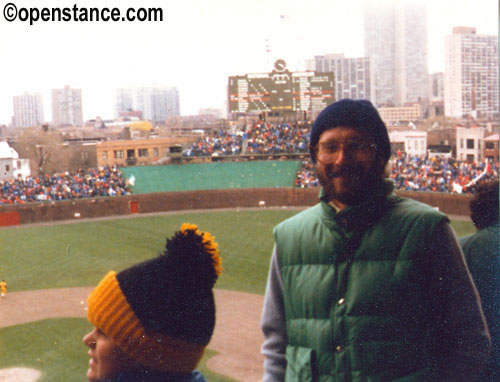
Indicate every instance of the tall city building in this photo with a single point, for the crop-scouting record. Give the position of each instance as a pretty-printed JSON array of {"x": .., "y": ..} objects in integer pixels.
[
  {"x": 67, "y": 107},
  {"x": 156, "y": 102},
  {"x": 471, "y": 74},
  {"x": 353, "y": 78},
  {"x": 436, "y": 86},
  {"x": 396, "y": 42},
  {"x": 28, "y": 110},
  {"x": 123, "y": 101}
]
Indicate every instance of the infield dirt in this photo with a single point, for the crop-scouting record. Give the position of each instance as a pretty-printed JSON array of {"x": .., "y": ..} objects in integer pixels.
[{"x": 237, "y": 337}]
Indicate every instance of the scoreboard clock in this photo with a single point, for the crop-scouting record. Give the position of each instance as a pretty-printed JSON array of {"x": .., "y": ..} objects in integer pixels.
[
  {"x": 280, "y": 65},
  {"x": 280, "y": 91}
]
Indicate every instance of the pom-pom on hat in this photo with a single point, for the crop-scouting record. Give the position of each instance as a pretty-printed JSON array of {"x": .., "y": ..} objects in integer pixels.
[
  {"x": 358, "y": 114},
  {"x": 161, "y": 312}
]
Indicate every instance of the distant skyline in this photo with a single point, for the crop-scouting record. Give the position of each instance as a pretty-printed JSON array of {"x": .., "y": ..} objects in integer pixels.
[{"x": 196, "y": 47}]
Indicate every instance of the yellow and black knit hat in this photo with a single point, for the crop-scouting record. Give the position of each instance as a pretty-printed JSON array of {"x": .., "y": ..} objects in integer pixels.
[{"x": 161, "y": 312}]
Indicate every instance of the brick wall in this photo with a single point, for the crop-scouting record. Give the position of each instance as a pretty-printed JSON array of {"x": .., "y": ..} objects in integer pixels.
[{"x": 186, "y": 200}]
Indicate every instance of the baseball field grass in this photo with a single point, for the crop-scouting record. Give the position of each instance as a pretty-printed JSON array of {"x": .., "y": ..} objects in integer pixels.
[{"x": 80, "y": 254}]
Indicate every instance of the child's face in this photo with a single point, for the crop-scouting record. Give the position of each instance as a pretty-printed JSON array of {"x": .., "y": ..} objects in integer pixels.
[{"x": 107, "y": 360}]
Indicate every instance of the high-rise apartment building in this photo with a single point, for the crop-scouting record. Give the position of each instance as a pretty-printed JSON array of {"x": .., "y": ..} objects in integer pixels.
[
  {"x": 156, "y": 102},
  {"x": 471, "y": 74},
  {"x": 396, "y": 43},
  {"x": 353, "y": 78},
  {"x": 436, "y": 86},
  {"x": 28, "y": 110},
  {"x": 67, "y": 107},
  {"x": 123, "y": 101}
]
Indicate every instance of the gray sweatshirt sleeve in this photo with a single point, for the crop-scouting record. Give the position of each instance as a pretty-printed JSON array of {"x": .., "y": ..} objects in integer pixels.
[{"x": 273, "y": 325}]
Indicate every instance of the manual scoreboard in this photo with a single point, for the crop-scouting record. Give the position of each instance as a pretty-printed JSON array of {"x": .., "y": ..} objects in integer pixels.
[{"x": 281, "y": 91}]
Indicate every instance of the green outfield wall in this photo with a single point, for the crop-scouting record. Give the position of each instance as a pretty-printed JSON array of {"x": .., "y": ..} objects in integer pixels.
[{"x": 212, "y": 176}]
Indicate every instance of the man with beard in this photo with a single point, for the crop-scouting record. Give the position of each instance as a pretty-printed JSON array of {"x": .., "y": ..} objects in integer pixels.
[{"x": 365, "y": 285}]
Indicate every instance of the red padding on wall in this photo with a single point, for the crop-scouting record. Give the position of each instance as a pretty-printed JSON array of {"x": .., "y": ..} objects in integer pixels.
[
  {"x": 134, "y": 206},
  {"x": 9, "y": 218}
]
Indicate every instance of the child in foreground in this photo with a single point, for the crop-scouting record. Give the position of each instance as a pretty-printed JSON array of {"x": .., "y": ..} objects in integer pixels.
[{"x": 153, "y": 320}]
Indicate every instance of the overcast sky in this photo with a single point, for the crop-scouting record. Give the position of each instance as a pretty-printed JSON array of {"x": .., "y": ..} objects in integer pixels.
[{"x": 196, "y": 47}]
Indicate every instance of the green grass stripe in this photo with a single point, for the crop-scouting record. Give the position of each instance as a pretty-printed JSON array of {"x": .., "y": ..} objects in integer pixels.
[{"x": 80, "y": 254}]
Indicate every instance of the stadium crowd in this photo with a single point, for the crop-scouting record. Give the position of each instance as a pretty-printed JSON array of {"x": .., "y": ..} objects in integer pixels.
[
  {"x": 419, "y": 173},
  {"x": 306, "y": 176},
  {"x": 413, "y": 173},
  {"x": 259, "y": 138},
  {"x": 220, "y": 142},
  {"x": 265, "y": 138},
  {"x": 94, "y": 182}
]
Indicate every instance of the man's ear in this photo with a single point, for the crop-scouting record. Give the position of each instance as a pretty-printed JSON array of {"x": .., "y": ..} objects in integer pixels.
[{"x": 386, "y": 168}]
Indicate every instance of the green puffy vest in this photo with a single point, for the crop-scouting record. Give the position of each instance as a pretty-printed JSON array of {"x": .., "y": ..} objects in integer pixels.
[{"x": 354, "y": 290}]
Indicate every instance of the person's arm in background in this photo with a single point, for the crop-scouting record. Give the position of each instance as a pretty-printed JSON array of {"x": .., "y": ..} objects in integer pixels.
[
  {"x": 483, "y": 259},
  {"x": 273, "y": 325},
  {"x": 460, "y": 341}
]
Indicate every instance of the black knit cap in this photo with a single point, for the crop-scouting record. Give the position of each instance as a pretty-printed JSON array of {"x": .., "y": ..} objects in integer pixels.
[
  {"x": 172, "y": 294},
  {"x": 161, "y": 312},
  {"x": 358, "y": 114}
]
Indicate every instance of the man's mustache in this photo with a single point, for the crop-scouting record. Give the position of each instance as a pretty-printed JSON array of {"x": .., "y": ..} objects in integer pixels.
[{"x": 344, "y": 172}]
